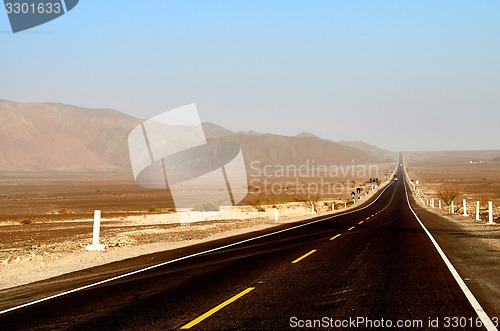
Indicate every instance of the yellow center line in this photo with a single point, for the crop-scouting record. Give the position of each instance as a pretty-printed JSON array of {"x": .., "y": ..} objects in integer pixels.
[
  {"x": 216, "y": 309},
  {"x": 361, "y": 222},
  {"x": 367, "y": 218},
  {"x": 304, "y": 256},
  {"x": 335, "y": 236},
  {"x": 351, "y": 228}
]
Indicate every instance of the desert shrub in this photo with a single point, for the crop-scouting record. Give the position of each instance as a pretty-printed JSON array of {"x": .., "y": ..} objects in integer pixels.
[
  {"x": 62, "y": 211},
  {"x": 207, "y": 206},
  {"x": 257, "y": 204},
  {"x": 152, "y": 209},
  {"x": 26, "y": 221},
  {"x": 311, "y": 200},
  {"x": 447, "y": 194},
  {"x": 484, "y": 198}
]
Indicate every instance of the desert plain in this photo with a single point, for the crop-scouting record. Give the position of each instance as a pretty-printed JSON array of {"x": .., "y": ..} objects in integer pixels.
[{"x": 46, "y": 218}]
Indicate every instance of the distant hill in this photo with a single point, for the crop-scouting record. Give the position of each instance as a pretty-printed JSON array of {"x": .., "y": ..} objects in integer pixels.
[
  {"x": 214, "y": 131},
  {"x": 371, "y": 150},
  {"x": 50, "y": 136},
  {"x": 306, "y": 135},
  {"x": 59, "y": 137},
  {"x": 274, "y": 150}
]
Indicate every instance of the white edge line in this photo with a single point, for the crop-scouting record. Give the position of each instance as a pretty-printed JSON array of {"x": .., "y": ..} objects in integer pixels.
[
  {"x": 485, "y": 319},
  {"x": 185, "y": 257}
]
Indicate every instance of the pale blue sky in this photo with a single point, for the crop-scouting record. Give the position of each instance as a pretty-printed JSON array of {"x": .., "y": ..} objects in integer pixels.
[{"x": 403, "y": 75}]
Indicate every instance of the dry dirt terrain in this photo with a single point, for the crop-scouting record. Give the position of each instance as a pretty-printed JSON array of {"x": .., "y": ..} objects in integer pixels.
[
  {"x": 46, "y": 220},
  {"x": 475, "y": 176},
  {"x": 38, "y": 251}
]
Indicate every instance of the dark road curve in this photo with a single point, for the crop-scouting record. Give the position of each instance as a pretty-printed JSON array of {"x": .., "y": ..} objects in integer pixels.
[{"x": 382, "y": 268}]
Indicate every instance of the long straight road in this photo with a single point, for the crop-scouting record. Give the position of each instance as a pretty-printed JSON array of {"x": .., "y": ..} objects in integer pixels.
[{"x": 370, "y": 268}]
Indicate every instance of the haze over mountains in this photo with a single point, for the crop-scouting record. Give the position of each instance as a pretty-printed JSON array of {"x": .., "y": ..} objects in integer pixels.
[
  {"x": 59, "y": 137},
  {"x": 49, "y": 136}
]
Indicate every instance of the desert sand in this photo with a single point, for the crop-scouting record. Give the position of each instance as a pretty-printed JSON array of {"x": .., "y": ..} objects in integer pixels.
[{"x": 28, "y": 256}]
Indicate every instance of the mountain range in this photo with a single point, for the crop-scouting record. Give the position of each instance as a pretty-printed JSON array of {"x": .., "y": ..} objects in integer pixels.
[{"x": 60, "y": 137}]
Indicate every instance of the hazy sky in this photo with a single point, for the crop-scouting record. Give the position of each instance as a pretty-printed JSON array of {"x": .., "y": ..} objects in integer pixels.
[{"x": 403, "y": 75}]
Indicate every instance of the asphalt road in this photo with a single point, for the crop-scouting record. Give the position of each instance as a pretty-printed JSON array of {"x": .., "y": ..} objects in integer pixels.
[{"x": 372, "y": 268}]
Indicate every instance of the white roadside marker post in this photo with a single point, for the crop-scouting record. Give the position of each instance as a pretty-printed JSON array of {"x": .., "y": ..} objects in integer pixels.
[
  {"x": 312, "y": 208},
  {"x": 477, "y": 211},
  {"x": 490, "y": 212},
  {"x": 432, "y": 202},
  {"x": 95, "y": 236},
  {"x": 333, "y": 206},
  {"x": 276, "y": 215},
  {"x": 345, "y": 205},
  {"x": 439, "y": 204},
  {"x": 452, "y": 208},
  {"x": 465, "y": 207}
]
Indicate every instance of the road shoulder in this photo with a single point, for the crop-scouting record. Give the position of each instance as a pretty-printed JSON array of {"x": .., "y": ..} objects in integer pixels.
[{"x": 473, "y": 249}]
